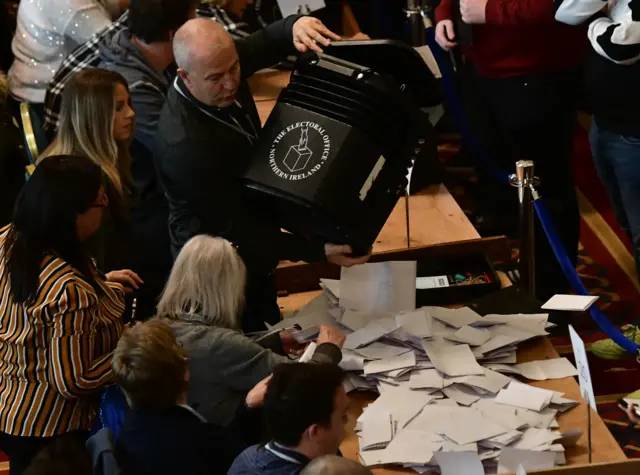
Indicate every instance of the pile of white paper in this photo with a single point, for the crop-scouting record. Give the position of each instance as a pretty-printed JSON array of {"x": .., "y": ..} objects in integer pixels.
[{"x": 444, "y": 377}]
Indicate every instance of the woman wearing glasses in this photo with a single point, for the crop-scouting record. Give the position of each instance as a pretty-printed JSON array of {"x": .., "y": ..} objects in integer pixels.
[{"x": 60, "y": 318}]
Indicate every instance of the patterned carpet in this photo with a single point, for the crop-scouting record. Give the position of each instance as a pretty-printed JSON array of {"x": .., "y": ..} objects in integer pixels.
[{"x": 607, "y": 267}]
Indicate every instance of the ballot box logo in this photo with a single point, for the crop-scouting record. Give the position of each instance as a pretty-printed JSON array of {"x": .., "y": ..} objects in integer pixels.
[{"x": 299, "y": 151}]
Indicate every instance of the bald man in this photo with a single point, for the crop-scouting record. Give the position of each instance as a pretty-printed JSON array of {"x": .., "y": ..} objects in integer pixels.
[{"x": 205, "y": 138}]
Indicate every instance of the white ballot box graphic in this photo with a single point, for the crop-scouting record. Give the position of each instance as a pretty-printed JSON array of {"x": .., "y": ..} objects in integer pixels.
[
  {"x": 299, "y": 155},
  {"x": 332, "y": 159}
]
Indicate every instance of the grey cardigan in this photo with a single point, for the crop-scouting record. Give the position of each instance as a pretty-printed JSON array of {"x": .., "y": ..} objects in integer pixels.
[{"x": 224, "y": 365}]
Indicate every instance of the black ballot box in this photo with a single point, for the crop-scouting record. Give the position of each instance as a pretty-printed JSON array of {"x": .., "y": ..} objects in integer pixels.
[{"x": 332, "y": 159}]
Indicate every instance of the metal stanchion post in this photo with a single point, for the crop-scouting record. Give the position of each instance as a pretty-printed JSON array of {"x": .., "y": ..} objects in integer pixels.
[
  {"x": 417, "y": 16},
  {"x": 524, "y": 179},
  {"x": 407, "y": 216}
]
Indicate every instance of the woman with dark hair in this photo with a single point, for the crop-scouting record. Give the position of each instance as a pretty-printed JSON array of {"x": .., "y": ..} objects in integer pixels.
[
  {"x": 60, "y": 319},
  {"x": 97, "y": 120}
]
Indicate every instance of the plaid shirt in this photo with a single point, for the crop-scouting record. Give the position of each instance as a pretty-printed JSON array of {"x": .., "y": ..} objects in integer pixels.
[{"x": 87, "y": 55}]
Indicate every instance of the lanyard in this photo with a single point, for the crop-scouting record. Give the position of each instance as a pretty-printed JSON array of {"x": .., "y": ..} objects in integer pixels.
[
  {"x": 282, "y": 456},
  {"x": 237, "y": 127}
]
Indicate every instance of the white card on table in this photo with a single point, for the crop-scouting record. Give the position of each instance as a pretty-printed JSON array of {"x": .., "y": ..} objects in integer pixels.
[{"x": 570, "y": 303}]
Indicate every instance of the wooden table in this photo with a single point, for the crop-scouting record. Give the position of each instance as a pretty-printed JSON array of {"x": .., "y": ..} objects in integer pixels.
[
  {"x": 604, "y": 446},
  {"x": 436, "y": 219},
  {"x": 265, "y": 87}
]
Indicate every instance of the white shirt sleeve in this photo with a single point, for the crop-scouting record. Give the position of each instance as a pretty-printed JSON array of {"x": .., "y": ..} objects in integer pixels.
[
  {"x": 575, "y": 12},
  {"x": 80, "y": 19},
  {"x": 617, "y": 41}
]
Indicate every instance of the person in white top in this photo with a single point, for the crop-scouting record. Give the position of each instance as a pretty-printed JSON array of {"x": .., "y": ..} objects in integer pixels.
[{"x": 47, "y": 31}]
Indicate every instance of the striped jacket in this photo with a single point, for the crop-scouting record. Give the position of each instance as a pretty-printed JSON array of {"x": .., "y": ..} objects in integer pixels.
[
  {"x": 614, "y": 35},
  {"x": 55, "y": 352}
]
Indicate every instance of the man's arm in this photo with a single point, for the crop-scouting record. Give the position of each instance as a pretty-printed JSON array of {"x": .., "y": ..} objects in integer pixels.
[
  {"x": 267, "y": 47},
  {"x": 619, "y": 42},
  {"x": 198, "y": 177},
  {"x": 443, "y": 12},
  {"x": 575, "y": 12}
]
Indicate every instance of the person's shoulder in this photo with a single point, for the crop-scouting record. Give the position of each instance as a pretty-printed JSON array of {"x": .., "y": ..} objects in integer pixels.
[
  {"x": 248, "y": 462},
  {"x": 201, "y": 335}
]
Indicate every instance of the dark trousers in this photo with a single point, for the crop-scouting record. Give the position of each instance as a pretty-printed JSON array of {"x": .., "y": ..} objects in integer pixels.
[
  {"x": 22, "y": 450},
  {"x": 531, "y": 118}
]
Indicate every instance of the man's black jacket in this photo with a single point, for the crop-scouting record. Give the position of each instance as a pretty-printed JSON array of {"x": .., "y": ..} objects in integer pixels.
[{"x": 200, "y": 161}]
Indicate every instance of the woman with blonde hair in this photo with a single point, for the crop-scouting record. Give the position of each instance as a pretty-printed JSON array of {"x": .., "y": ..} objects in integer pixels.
[
  {"x": 97, "y": 120},
  {"x": 202, "y": 303}
]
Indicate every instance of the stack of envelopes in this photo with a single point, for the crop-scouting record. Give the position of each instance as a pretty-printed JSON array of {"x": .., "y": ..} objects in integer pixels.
[{"x": 444, "y": 376}]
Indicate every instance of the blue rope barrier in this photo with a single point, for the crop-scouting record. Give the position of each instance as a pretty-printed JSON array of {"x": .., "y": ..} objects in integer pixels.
[
  {"x": 575, "y": 281},
  {"x": 478, "y": 151},
  {"x": 457, "y": 110}
]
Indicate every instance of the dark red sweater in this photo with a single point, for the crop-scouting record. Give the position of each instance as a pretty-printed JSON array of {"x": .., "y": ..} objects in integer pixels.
[{"x": 521, "y": 37}]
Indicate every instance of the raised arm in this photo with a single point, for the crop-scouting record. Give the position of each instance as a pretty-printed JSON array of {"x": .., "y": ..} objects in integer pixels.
[
  {"x": 76, "y": 366},
  {"x": 619, "y": 42},
  {"x": 89, "y": 17},
  {"x": 575, "y": 12}
]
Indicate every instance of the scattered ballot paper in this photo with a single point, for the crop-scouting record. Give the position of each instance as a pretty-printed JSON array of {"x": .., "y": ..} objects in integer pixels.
[
  {"x": 459, "y": 463},
  {"x": 379, "y": 286},
  {"x": 571, "y": 303},
  {"x": 308, "y": 353},
  {"x": 541, "y": 370},
  {"x": 511, "y": 459},
  {"x": 453, "y": 360},
  {"x": 376, "y": 432},
  {"x": 444, "y": 376}
]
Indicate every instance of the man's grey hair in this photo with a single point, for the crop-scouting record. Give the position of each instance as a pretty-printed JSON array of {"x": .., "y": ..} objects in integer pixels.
[
  {"x": 334, "y": 465},
  {"x": 197, "y": 39}
]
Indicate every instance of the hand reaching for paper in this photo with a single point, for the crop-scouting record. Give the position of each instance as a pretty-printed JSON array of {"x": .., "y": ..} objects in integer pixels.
[
  {"x": 330, "y": 335},
  {"x": 255, "y": 397},
  {"x": 309, "y": 33},
  {"x": 290, "y": 345}
]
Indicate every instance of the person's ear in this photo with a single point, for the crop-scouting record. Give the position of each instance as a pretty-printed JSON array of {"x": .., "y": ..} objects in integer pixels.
[
  {"x": 185, "y": 77},
  {"x": 312, "y": 431}
]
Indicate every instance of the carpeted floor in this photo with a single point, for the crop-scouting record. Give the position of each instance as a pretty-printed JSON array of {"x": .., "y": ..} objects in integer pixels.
[{"x": 607, "y": 267}]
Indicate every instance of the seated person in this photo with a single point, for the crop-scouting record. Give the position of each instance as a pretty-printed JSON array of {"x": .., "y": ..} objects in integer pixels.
[
  {"x": 162, "y": 434},
  {"x": 305, "y": 408},
  {"x": 205, "y": 139},
  {"x": 334, "y": 465},
  {"x": 97, "y": 122},
  {"x": 202, "y": 304},
  {"x": 48, "y": 274},
  {"x": 47, "y": 31}
]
